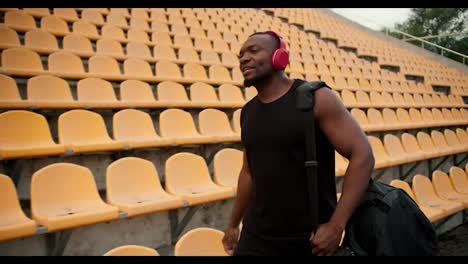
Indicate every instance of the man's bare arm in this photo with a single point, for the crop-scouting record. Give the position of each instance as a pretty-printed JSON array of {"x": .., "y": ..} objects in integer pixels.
[{"x": 350, "y": 141}]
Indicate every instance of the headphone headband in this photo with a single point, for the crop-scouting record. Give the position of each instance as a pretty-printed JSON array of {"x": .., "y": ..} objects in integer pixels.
[{"x": 282, "y": 43}]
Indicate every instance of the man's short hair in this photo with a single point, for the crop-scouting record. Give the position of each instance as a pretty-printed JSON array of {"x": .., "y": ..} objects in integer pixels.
[{"x": 278, "y": 44}]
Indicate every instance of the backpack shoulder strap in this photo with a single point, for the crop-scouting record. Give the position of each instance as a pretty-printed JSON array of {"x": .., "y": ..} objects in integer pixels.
[{"x": 305, "y": 103}]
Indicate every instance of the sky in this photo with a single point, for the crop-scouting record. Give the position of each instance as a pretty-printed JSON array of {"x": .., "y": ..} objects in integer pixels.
[{"x": 375, "y": 18}]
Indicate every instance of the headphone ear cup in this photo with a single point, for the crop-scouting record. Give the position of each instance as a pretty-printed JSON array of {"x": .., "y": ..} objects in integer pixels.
[{"x": 280, "y": 59}]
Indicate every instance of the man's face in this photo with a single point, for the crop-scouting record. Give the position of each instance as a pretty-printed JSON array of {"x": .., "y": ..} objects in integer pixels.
[{"x": 255, "y": 58}]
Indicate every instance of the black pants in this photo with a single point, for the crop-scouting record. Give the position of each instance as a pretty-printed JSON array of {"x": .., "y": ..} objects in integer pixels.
[{"x": 252, "y": 245}]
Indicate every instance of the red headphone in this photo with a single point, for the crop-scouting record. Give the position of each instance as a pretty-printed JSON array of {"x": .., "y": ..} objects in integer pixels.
[{"x": 280, "y": 58}]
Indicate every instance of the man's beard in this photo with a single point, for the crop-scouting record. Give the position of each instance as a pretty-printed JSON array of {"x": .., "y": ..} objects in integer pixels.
[{"x": 257, "y": 79}]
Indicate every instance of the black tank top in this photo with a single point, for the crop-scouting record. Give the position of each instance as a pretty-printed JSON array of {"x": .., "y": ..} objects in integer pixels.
[{"x": 273, "y": 135}]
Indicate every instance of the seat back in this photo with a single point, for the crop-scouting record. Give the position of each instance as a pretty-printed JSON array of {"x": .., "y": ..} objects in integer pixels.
[
  {"x": 131, "y": 177},
  {"x": 95, "y": 90},
  {"x": 22, "y": 59},
  {"x": 213, "y": 122},
  {"x": 202, "y": 92},
  {"x": 227, "y": 164},
  {"x": 132, "y": 250},
  {"x": 81, "y": 126},
  {"x": 130, "y": 124},
  {"x": 184, "y": 171},
  {"x": 136, "y": 91},
  {"x": 176, "y": 123},
  {"x": 171, "y": 91},
  {"x": 48, "y": 88},
  {"x": 200, "y": 241},
  {"x": 19, "y": 127}
]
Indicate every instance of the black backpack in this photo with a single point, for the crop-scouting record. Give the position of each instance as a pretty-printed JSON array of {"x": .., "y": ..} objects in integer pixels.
[{"x": 387, "y": 222}]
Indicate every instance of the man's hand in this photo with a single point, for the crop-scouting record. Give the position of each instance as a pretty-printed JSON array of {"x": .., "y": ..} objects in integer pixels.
[
  {"x": 231, "y": 235},
  {"x": 326, "y": 240}
]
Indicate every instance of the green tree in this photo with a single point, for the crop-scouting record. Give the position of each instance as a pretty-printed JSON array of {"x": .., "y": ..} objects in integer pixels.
[{"x": 438, "y": 21}]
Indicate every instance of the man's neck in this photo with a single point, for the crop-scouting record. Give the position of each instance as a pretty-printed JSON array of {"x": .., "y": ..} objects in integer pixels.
[{"x": 273, "y": 88}]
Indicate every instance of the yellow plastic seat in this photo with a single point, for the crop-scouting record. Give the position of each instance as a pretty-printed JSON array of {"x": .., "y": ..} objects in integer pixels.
[
  {"x": 376, "y": 119},
  {"x": 187, "y": 176},
  {"x": 454, "y": 142},
  {"x": 172, "y": 94},
  {"x": 203, "y": 95},
  {"x": 404, "y": 118},
  {"x": 54, "y": 25},
  {"x": 425, "y": 194},
  {"x": 188, "y": 55},
  {"x": 102, "y": 66},
  {"x": 109, "y": 47},
  {"x": 219, "y": 74},
  {"x": 459, "y": 179},
  {"x": 92, "y": 16},
  {"x": 349, "y": 100},
  {"x": 250, "y": 93},
  {"x": 462, "y": 136},
  {"x": 66, "y": 64},
  {"x": 215, "y": 123},
  {"x": 382, "y": 159},
  {"x": 135, "y": 93},
  {"x": 397, "y": 152},
  {"x": 47, "y": 91},
  {"x": 136, "y": 127},
  {"x": 139, "y": 12},
  {"x": 416, "y": 118},
  {"x": 40, "y": 41},
  {"x": 22, "y": 62},
  {"x": 117, "y": 20},
  {"x": 138, "y": 50},
  {"x": 237, "y": 76},
  {"x": 444, "y": 189},
  {"x": 96, "y": 93},
  {"x": 9, "y": 94},
  {"x": 163, "y": 52},
  {"x": 377, "y": 99},
  {"x": 139, "y": 23},
  {"x": 86, "y": 29},
  {"x": 78, "y": 44},
  {"x": 39, "y": 12},
  {"x": 68, "y": 14},
  {"x": 428, "y": 118},
  {"x": 235, "y": 122},
  {"x": 14, "y": 223},
  {"x": 132, "y": 250},
  {"x": 439, "y": 117},
  {"x": 112, "y": 32},
  {"x": 26, "y": 134},
  {"x": 441, "y": 143},
  {"x": 427, "y": 145},
  {"x": 391, "y": 120},
  {"x": 137, "y": 35},
  {"x": 183, "y": 41},
  {"x": 19, "y": 21},
  {"x": 230, "y": 96},
  {"x": 341, "y": 164},
  {"x": 433, "y": 214},
  {"x": 179, "y": 124},
  {"x": 8, "y": 38},
  {"x": 448, "y": 116},
  {"x": 229, "y": 59},
  {"x": 194, "y": 72},
  {"x": 168, "y": 71},
  {"x": 361, "y": 118},
  {"x": 227, "y": 164},
  {"x": 202, "y": 241},
  {"x": 209, "y": 57},
  {"x": 64, "y": 195},
  {"x": 85, "y": 131},
  {"x": 133, "y": 185},
  {"x": 137, "y": 69}
]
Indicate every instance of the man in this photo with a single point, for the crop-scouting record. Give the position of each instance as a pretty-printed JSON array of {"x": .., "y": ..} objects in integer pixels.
[{"x": 272, "y": 192}]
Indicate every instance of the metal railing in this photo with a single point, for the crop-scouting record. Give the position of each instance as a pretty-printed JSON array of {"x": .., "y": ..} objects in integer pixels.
[{"x": 442, "y": 49}]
